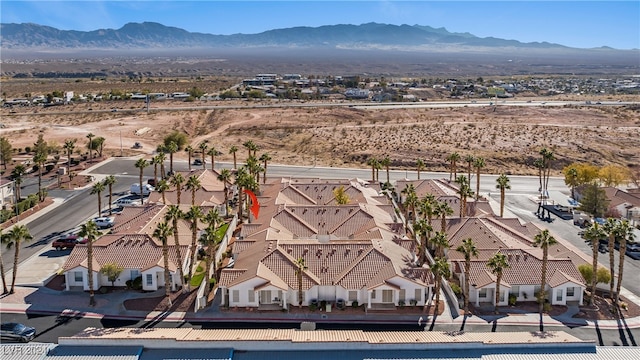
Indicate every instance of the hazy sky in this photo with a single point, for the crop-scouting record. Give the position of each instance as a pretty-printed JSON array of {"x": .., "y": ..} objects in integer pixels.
[{"x": 581, "y": 24}]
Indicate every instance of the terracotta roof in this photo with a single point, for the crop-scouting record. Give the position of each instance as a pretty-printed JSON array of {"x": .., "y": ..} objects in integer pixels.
[{"x": 618, "y": 197}]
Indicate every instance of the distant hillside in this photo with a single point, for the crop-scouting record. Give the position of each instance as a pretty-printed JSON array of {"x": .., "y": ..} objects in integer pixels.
[{"x": 150, "y": 35}]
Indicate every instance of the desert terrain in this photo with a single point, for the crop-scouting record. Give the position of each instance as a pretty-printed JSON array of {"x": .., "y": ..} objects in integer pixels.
[{"x": 508, "y": 137}]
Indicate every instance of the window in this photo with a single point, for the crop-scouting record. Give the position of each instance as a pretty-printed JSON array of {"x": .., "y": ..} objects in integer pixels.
[
  {"x": 571, "y": 291},
  {"x": 149, "y": 279},
  {"x": 482, "y": 293},
  {"x": 77, "y": 275},
  {"x": 418, "y": 294},
  {"x": 373, "y": 294},
  {"x": 135, "y": 274},
  {"x": 252, "y": 296},
  {"x": 353, "y": 296},
  {"x": 402, "y": 295},
  {"x": 559, "y": 295},
  {"x": 515, "y": 290},
  {"x": 387, "y": 296},
  {"x": 235, "y": 295}
]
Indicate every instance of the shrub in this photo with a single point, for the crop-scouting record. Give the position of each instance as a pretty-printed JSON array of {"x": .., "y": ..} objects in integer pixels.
[
  {"x": 413, "y": 302},
  {"x": 313, "y": 307},
  {"x": 512, "y": 299},
  {"x": 401, "y": 303},
  {"x": 456, "y": 289},
  {"x": 546, "y": 307},
  {"x": 136, "y": 284},
  {"x": 354, "y": 304}
]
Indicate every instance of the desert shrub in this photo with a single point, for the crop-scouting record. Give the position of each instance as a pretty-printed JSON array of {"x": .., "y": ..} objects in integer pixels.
[
  {"x": 512, "y": 299},
  {"x": 401, "y": 303},
  {"x": 136, "y": 284}
]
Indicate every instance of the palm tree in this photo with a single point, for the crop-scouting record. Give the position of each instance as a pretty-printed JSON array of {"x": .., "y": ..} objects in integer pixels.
[
  {"x": 174, "y": 214},
  {"x": 225, "y": 177},
  {"x": 161, "y": 159},
  {"x": 141, "y": 164},
  {"x": 410, "y": 202},
  {"x": 539, "y": 164},
  {"x": 420, "y": 166},
  {"x": 453, "y": 165},
  {"x": 172, "y": 148},
  {"x": 90, "y": 136},
  {"x": 443, "y": 210},
  {"x": 547, "y": 157},
  {"x": 249, "y": 145},
  {"x": 213, "y": 152},
  {"x": 543, "y": 240},
  {"x": 99, "y": 144},
  {"x": 468, "y": 249},
  {"x": 464, "y": 191},
  {"x": 193, "y": 215},
  {"x": 479, "y": 163},
  {"x": 233, "y": 150},
  {"x": 156, "y": 161},
  {"x": 594, "y": 233},
  {"x": 203, "y": 146},
  {"x": 212, "y": 240},
  {"x": 422, "y": 231},
  {"x": 626, "y": 234},
  {"x": 193, "y": 184},
  {"x": 612, "y": 228},
  {"x": 110, "y": 181},
  {"x": 162, "y": 188},
  {"x": 498, "y": 263},
  {"x": 502, "y": 184},
  {"x": 470, "y": 159},
  {"x": 189, "y": 151},
  {"x": 177, "y": 180},
  {"x": 300, "y": 269},
  {"x": 265, "y": 158},
  {"x": 440, "y": 270},
  {"x": 440, "y": 242},
  {"x": 386, "y": 162},
  {"x": 572, "y": 177},
  {"x": 89, "y": 231},
  {"x": 40, "y": 159},
  {"x": 5, "y": 290},
  {"x": 373, "y": 162},
  {"x": 69, "y": 146},
  {"x": 16, "y": 174},
  {"x": 162, "y": 233},
  {"x": 97, "y": 189},
  {"x": 17, "y": 235}
]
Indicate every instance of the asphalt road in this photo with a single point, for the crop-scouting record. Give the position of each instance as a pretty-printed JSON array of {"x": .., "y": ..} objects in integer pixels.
[{"x": 51, "y": 327}]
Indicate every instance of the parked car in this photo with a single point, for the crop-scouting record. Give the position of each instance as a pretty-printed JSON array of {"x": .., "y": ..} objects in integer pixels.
[
  {"x": 126, "y": 201},
  {"x": 103, "y": 222},
  {"x": 17, "y": 331},
  {"x": 635, "y": 255},
  {"x": 68, "y": 242},
  {"x": 146, "y": 189},
  {"x": 197, "y": 162},
  {"x": 152, "y": 182}
]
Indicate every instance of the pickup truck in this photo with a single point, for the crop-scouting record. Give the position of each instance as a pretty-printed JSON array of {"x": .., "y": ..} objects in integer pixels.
[{"x": 67, "y": 242}]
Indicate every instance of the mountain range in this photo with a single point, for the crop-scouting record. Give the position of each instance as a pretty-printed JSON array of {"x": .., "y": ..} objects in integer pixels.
[{"x": 151, "y": 35}]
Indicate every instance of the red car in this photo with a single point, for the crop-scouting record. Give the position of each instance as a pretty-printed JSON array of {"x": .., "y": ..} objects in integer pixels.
[{"x": 68, "y": 242}]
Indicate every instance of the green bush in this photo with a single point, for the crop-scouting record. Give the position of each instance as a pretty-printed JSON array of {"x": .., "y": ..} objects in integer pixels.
[
  {"x": 136, "y": 284},
  {"x": 401, "y": 303},
  {"x": 456, "y": 289},
  {"x": 413, "y": 302},
  {"x": 546, "y": 307},
  {"x": 354, "y": 304},
  {"x": 313, "y": 307},
  {"x": 512, "y": 299},
  {"x": 196, "y": 280},
  {"x": 5, "y": 215}
]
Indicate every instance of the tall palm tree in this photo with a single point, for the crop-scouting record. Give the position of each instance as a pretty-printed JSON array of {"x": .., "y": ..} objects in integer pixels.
[
  {"x": 172, "y": 148},
  {"x": 626, "y": 234},
  {"x": 233, "y": 150},
  {"x": 479, "y": 163},
  {"x": 177, "y": 180},
  {"x": 193, "y": 184},
  {"x": 90, "y": 136},
  {"x": 193, "y": 215},
  {"x": 440, "y": 242},
  {"x": 502, "y": 184},
  {"x": 572, "y": 177},
  {"x": 410, "y": 202},
  {"x": 301, "y": 267},
  {"x": 40, "y": 159},
  {"x": 539, "y": 164},
  {"x": 17, "y": 174},
  {"x": 386, "y": 162},
  {"x": 265, "y": 158},
  {"x": 5, "y": 290},
  {"x": 443, "y": 210},
  {"x": 203, "y": 146},
  {"x": 464, "y": 191},
  {"x": 162, "y": 186},
  {"x": 422, "y": 231},
  {"x": 594, "y": 233},
  {"x": 213, "y": 152},
  {"x": 141, "y": 164},
  {"x": 497, "y": 264},
  {"x": 174, "y": 214},
  {"x": 453, "y": 165},
  {"x": 440, "y": 270},
  {"x": 212, "y": 240},
  {"x": 250, "y": 146},
  {"x": 546, "y": 157},
  {"x": 373, "y": 162},
  {"x": 97, "y": 189},
  {"x": 17, "y": 235},
  {"x": 189, "y": 151},
  {"x": 99, "y": 144},
  {"x": 543, "y": 240},
  {"x": 225, "y": 177},
  {"x": 69, "y": 146},
  {"x": 162, "y": 157},
  {"x": 470, "y": 159},
  {"x": 89, "y": 231},
  {"x": 162, "y": 233},
  {"x": 612, "y": 228},
  {"x": 110, "y": 181},
  {"x": 156, "y": 161},
  {"x": 420, "y": 166},
  {"x": 468, "y": 249}
]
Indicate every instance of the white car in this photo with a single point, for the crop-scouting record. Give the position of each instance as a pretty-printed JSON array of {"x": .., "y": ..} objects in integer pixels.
[
  {"x": 126, "y": 201},
  {"x": 103, "y": 222}
]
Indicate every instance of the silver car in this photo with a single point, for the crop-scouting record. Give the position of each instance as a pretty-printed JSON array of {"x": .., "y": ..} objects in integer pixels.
[{"x": 17, "y": 332}]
